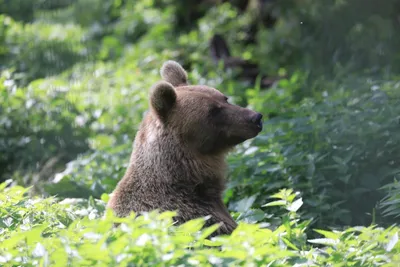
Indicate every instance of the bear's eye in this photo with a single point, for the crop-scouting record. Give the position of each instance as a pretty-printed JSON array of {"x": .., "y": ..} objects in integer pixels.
[{"x": 226, "y": 99}]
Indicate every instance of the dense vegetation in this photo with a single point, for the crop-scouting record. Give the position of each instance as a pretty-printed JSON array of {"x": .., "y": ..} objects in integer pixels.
[{"x": 319, "y": 186}]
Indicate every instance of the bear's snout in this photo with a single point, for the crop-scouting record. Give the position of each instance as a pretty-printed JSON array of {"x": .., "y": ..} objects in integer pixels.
[{"x": 257, "y": 120}]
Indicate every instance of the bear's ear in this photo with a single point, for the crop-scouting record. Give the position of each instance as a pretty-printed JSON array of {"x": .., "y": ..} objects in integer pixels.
[
  {"x": 162, "y": 98},
  {"x": 173, "y": 73}
]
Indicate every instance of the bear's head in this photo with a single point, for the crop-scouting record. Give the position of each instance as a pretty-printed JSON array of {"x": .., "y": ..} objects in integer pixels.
[{"x": 200, "y": 116}]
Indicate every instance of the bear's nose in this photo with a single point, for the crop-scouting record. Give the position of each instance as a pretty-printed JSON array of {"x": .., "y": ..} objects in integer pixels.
[{"x": 257, "y": 119}]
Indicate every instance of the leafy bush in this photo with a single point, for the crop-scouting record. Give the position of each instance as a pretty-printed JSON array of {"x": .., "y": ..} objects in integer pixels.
[
  {"x": 337, "y": 152},
  {"x": 69, "y": 233},
  {"x": 308, "y": 35},
  {"x": 38, "y": 132},
  {"x": 391, "y": 202},
  {"x": 19, "y": 10},
  {"x": 92, "y": 174},
  {"x": 37, "y": 50}
]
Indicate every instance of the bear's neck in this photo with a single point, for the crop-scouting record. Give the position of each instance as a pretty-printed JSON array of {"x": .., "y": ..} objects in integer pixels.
[{"x": 161, "y": 158}]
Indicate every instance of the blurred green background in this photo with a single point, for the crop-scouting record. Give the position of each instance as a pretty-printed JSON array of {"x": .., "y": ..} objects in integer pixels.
[{"x": 75, "y": 76}]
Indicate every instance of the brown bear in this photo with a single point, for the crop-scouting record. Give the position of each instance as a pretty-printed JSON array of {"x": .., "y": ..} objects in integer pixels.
[{"x": 178, "y": 158}]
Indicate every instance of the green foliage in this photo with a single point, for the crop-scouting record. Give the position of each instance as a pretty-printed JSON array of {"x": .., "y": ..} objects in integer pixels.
[
  {"x": 338, "y": 152},
  {"x": 39, "y": 49},
  {"x": 20, "y": 10},
  {"x": 308, "y": 35},
  {"x": 46, "y": 232},
  {"x": 391, "y": 203},
  {"x": 91, "y": 175},
  {"x": 38, "y": 133}
]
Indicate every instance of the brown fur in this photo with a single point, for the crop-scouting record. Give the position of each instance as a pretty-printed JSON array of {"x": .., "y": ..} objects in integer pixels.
[{"x": 178, "y": 160}]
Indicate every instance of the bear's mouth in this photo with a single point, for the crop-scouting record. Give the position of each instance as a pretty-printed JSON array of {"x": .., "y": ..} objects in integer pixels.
[
  {"x": 260, "y": 125},
  {"x": 234, "y": 140},
  {"x": 257, "y": 126},
  {"x": 257, "y": 121}
]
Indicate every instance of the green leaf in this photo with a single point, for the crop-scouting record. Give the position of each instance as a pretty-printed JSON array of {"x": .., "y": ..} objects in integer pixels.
[
  {"x": 192, "y": 226},
  {"x": 328, "y": 234},
  {"x": 208, "y": 231},
  {"x": 275, "y": 203},
  {"x": 392, "y": 242},
  {"x": 295, "y": 206},
  {"x": 324, "y": 241},
  {"x": 245, "y": 204}
]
